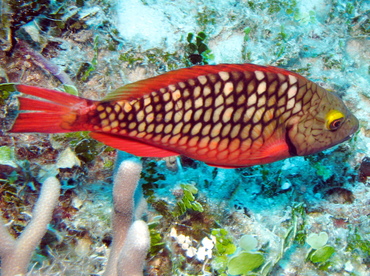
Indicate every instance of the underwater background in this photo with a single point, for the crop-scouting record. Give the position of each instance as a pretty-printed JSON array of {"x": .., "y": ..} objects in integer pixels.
[{"x": 300, "y": 216}]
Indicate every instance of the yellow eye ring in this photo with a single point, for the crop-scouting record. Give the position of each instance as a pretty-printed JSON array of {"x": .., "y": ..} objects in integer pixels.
[{"x": 334, "y": 119}]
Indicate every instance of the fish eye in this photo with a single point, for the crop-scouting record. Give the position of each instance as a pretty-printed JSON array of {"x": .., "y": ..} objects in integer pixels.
[
  {"x": 334, "y": 119},
  {"x": 336, "y": 124}
]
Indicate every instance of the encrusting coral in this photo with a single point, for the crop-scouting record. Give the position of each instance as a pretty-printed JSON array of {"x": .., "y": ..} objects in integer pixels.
[{"x": 15, "y": 254}]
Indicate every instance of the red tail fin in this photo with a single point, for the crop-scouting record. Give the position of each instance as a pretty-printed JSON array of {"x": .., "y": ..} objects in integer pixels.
[{"x": 62, "y": 112}]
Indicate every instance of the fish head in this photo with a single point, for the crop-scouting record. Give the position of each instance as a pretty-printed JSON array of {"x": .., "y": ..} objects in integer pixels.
[{"x": 323, "y": 123}]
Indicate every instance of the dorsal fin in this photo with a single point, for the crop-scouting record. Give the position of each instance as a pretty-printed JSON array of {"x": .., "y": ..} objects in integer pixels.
[{"x": 144, "y": 87}]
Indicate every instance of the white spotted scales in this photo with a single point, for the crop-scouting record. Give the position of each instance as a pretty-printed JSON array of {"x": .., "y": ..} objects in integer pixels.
[{"x": 228, "y": 115}]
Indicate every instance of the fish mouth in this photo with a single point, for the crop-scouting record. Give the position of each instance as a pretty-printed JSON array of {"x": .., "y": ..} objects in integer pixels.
[
  {"x": 352, "y": 120},
  {"x": 347, "y": 138},
  {"x": 353, "y": 130}
]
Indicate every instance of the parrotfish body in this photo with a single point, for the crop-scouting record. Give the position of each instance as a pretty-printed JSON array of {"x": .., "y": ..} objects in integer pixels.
[{"x": 228, "y": 115}]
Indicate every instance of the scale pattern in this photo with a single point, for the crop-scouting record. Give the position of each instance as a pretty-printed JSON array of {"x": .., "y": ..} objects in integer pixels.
[{"x": 225, "y": 115}]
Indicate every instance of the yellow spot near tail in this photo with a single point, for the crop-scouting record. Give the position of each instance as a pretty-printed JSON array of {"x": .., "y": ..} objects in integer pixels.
[{"x": 68, "y": 120}]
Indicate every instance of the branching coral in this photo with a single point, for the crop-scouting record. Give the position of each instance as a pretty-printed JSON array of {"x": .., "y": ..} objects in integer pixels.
[
  {"x": 134, "y": 251},
  {"x": 130, "y": 239},
  {"x": 15, "y": 254}
]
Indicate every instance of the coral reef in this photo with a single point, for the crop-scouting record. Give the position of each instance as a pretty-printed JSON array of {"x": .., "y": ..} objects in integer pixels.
[
  {"x": 16, "y": 254},
  {"x": 198, "y": 216},
  {"x": 131, "y": 241}
]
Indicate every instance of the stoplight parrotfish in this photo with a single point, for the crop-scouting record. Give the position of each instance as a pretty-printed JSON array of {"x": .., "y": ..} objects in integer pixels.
[{"x": 227, "y": 115}]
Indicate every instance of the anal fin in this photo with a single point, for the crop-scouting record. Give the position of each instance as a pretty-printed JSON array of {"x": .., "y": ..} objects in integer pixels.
[{"x": 131, "y": 146}]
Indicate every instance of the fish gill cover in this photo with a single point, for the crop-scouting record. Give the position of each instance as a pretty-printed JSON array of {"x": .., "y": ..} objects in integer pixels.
[{"x": 301, "y": 215}]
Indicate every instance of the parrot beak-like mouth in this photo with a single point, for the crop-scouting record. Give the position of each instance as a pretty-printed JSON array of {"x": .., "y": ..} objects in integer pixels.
[{"x": 347, "y": 138}]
